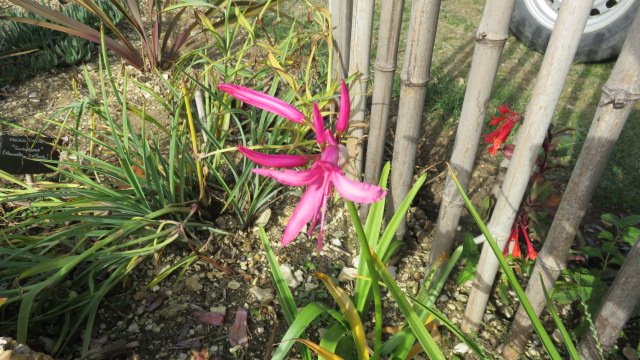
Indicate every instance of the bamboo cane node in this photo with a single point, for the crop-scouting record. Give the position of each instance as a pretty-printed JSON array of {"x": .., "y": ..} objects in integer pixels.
[
  {"x": 484, "y": 39},
  {"x": 411, "y": 83},
  {"x": 362, "y": 78},
  {"x": 383, "y": 68},
  {"x": 618, "y": 98}
]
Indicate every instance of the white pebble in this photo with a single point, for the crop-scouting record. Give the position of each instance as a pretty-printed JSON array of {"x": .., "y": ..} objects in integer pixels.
[{"x": 461, "y": 348}]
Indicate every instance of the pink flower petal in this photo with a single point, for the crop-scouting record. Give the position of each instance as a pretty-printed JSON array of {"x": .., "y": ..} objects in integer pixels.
[
  {"x": 291, "y": 177},
  {"x": 355, "y": 191},
  {"x": 238, "y": 331},
  {"x": 345, "y": 108},
  {"x": 331, "y": 155},
  {"x": 330, "y": 139},
  {"x": 285, "y": 161},
  {"x": 263, "y": 101},
  {"x": 209, "y": 317},
  {"x": 318, "y": 123},
  {"x": 307, "y": 209}
]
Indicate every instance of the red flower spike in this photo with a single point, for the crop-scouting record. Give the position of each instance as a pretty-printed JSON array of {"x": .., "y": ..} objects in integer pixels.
[
  {"x": 500, "y": 135},
  {"x": 532, "y": 254},
  {"x": 516, "y": 253},
  {"x": 514, "y": 236}
]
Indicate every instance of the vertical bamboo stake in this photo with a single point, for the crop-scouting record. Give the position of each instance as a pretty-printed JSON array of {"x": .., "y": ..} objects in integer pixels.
[
  {"x": 385, "y": 70},
  {"x": 620, "y": 94},
  {"x": 359, "y": 63},
  {"x": 340, "y": 11},
  {"x": 490, "y": 38},
  {"x": 415, "y": 76},
  {"x": 616, "y": 309},
  {"x": 563, "y": 44}
]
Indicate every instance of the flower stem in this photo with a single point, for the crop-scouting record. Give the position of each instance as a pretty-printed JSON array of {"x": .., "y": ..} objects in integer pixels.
[
  {"x": 194, "y": 140},
  {"x": 375, "y": 285}
]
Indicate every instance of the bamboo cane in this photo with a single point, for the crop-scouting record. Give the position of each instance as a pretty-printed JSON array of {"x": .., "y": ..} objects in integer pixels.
[
  {"x": 340, "y": 11},
  {"x": 490, "y": 39},
  {"x": 415, "y": 76},
  {"x": 563, "y": 44},
  {"x": 359, "y": 63},
  {"x": 620, "y": 93},
  {"x": 616, "y": 309},
  {"x": 385, "y": 70}
]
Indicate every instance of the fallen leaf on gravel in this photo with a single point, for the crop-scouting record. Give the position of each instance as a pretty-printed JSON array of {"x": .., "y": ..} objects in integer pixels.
[
  {"x": 191, "y": 343},
  {"x": 209, "y": 317},
  {"x": 154, "y": 305},
  {"x": 238, "y": 331}
]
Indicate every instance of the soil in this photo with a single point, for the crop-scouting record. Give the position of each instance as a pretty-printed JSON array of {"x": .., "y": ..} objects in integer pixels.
[{"x": 161, "y": 322}]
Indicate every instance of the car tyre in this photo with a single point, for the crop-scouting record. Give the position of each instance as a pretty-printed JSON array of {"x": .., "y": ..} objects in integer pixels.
[{"x": 606, "y": 30}]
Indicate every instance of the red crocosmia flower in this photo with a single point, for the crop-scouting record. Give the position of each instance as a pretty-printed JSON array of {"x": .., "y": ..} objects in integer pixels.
[
  {"x": 531, "y": 252},
  {"x": 325, "y": 173},
  {"x": 513, "y": 237},
  {"x": 500, "y": 135}
]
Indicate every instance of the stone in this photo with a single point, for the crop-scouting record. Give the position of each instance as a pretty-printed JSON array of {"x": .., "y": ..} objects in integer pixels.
[
  {"x": 287, "y": 274},
  {"x": 347, "y": 274},
  {"x": 461, "y": 348},
  {"x": 263, "y": 218},
  {"x": 134, "y": 328},
  {"x": 392, "y": 271},
  {"x": 264, "y": 296},
  {"x": 310, "y": 286},
  {"x": 233, "y": 285},
  {"x": 34, "y": 98},
  {"x": 193, "y": 283},
  {"x": 630, "y": 353}
]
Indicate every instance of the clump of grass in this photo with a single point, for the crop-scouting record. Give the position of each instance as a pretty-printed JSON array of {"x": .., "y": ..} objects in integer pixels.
[{"x": 114, "y": 201}]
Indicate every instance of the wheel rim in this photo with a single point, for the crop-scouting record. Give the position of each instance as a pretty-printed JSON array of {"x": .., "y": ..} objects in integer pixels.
[{"x": 603, "y": 13}]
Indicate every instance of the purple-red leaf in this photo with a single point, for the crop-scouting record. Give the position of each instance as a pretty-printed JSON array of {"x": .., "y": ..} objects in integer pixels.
[
  {"x": 209, "y": 317},
  {"x": 238, "y": 331}
]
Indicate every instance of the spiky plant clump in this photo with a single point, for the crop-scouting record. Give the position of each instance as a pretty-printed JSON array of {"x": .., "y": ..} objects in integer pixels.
[{"x": 36, "y": 49}]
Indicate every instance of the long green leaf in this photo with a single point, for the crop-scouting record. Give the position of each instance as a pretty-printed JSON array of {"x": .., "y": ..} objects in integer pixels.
[
  {"x": 416, "y": 325},
  {"x": 363, "y": 293},
  {"x": 300, "y": 324},
  {"x": 537, "y": 325},
  {"x": 287, "y": 301},
  {"x": 556, "y": 318}
]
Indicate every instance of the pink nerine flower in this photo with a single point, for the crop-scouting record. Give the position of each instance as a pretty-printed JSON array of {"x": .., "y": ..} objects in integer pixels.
[{"x": 321, "y": 178}]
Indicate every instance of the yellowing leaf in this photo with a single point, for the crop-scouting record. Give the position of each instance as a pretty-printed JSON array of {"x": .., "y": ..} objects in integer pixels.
[
  {"x": 245, "y": 24},
  {"x": 350, "y": 312},
  {"x": 322, "y": 352},
  {"x": 287, "y": 77}
]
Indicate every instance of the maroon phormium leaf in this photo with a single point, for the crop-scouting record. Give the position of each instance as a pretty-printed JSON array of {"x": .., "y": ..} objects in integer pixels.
[
  {"x": 209, "y": 317},
  {"x": 238, "y": 331}
]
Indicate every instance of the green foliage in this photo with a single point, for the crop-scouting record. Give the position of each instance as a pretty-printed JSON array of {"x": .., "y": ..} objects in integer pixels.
[
  {"x": 344, "y": 337},
  {"x": 471, "y": 256},
  {"x": 53, "y": 48},
  {"x": 587, "y": 285},
  {"x": 117, "y": 197},
  {"x": 511, "y": 277}
]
